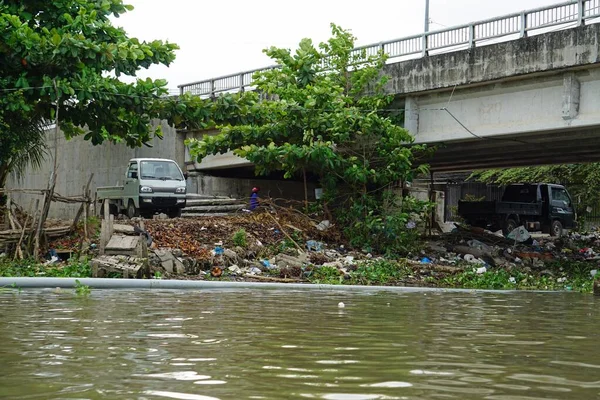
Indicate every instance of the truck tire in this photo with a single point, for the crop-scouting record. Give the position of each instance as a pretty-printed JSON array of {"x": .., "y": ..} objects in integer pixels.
[
  {"x": 510, "y": 225},
  {"x": 556, "y": 229},
  {"x": 132, "y": 211},
  {"x": 112, "y": 210},
  {"x": 174, "y": 213}
]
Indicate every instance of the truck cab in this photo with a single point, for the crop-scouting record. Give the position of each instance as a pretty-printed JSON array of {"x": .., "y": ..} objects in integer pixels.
[{"x": 150, "y": 185}]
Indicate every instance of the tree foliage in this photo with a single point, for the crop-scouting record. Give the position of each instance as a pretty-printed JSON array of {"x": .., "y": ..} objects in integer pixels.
[
  {"x": 68, "y": 52},
  {"x": 325, "y": 112}
]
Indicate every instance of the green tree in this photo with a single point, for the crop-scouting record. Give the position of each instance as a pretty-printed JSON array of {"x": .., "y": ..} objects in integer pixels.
[
  {"x": 68, "y": 54},
  {"x": 325, "y": 112}
]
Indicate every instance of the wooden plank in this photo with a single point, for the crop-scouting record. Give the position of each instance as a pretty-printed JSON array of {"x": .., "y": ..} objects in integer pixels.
[{"x": 9, "y": 214}]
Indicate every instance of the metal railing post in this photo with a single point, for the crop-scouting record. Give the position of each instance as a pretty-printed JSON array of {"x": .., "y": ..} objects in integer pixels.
[
  {"x": 242, "y": 82},
  {"x": 471, "y": 36},
  {"x": 523, "y": 20},
  {"x": 212, "y": 88},
  {"x": 425, "y": 51},
  {"x": 580, "y": 12}
]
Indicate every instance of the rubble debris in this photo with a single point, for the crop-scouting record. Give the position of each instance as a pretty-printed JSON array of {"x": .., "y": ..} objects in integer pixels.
[
  {"x": 125, "y": 266},
  {"x": 285, "y": 260}
]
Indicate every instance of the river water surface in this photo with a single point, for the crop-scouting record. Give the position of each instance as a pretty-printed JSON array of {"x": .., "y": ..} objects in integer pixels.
[{"x": 246, "y": 344}]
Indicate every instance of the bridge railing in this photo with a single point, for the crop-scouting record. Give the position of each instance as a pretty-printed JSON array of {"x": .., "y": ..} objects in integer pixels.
[{"x": 518, "y": 25}]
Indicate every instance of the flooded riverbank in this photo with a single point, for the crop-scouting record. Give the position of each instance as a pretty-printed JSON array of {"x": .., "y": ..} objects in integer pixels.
[{"x": 276, "y": 344}]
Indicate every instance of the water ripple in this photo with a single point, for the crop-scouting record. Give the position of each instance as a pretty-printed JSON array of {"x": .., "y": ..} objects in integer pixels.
[{"x": 291, "y": 344}]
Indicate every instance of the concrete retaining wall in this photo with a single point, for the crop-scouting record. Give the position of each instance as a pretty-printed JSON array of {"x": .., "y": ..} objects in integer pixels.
[
  {"x": 78, "y": 159},
  {"x": 240, "y": 188}
]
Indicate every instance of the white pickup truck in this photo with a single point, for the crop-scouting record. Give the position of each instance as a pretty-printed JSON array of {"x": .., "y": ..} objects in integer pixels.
[{"x": 151, "y": 185}]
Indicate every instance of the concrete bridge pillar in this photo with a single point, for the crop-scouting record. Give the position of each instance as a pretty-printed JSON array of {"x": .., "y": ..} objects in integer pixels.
[
  {"x": 411, "y": 115},
  {"x": 571, "y": 96}
]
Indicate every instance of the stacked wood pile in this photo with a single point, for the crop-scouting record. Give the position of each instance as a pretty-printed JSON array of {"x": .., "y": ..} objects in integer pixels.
[
  {"x": 14, "y": 236},
  {"x": 25, "y": 232}
]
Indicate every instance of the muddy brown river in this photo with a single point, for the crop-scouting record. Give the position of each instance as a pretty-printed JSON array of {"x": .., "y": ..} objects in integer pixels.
[{"x": 272, "y": 344}]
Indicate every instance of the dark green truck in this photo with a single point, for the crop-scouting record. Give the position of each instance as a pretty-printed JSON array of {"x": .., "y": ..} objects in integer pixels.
[{"x": 538, "y": 207}]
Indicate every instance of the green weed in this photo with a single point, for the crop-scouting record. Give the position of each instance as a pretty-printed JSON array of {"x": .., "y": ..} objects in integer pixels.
[
  {"x": 74, "y": 268},
  {"x": 81, "y": 289},
  {"x": 240, "y": 238},
  {"x": 379, "y": 272}
]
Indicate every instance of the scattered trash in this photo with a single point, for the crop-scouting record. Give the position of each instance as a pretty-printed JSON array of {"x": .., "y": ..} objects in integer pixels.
[
  {"x": 234, "y": 269},
  {"x": 481, "y": 270},
  {"x": 512, "y": 279},
  {"x": 594, "y": 272},
  {"x": 52, "y": 260},
  {"x": 425, "y": 260},
  {"x": 519, "y": 235},
  {"x": 472, "y": 259},
  {"x": 255, "y": 271},
  {"x": 324, "y": 225},
  {"x": 341, "y": 305},
  {"x": 313, "y": 245}
]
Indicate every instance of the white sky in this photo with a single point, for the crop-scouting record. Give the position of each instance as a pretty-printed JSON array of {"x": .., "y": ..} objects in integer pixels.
[{"x": 227, "y": 36}]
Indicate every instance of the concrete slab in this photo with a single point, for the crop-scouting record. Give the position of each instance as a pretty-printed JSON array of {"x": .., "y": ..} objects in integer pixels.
[{"x": 122, "y": 242}]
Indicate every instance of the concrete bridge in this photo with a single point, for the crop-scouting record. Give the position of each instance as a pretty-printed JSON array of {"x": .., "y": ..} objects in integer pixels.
[{"x": 521, "y": 89}]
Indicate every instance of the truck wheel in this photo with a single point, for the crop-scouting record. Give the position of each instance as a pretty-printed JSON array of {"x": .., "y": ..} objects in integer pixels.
[
  {"x": 556, "y": 229},
  {"x": 174, "y": 213},
  {"x": 112, "y": 210},
  {"x": 510, "y": 225},
  {"x": 132, "y": 211}
]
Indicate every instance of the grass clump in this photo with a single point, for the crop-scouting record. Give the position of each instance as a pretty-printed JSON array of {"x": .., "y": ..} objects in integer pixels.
[{"x": 240, "y": 238}]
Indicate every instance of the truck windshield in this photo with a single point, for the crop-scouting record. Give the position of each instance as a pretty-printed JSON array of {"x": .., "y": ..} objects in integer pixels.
[
  {"x": 163, "y": 170},
  {"x": 561, "y": 195}
]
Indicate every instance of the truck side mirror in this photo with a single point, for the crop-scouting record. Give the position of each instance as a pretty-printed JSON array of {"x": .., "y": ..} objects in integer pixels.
[{"x": 185, "y": 175}]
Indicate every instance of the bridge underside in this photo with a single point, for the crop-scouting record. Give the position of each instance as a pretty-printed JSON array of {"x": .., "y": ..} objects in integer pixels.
[{"x": 558, "y": 147}]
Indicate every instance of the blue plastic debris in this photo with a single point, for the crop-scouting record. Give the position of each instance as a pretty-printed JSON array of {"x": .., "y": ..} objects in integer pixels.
[
  {"x": 425, "y": 260},
  {"x": 313, "y": 245}
]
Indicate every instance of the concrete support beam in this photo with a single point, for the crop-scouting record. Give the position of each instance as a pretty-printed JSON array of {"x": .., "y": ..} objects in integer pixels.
[
  {"x": 571, "y": 96},
  {"x": 549, "y": 53}
]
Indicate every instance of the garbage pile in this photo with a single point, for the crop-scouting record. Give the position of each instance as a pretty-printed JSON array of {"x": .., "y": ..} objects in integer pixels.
[
  {"x": 482, "y": 249},
  {"x": 278, "y": 246}
]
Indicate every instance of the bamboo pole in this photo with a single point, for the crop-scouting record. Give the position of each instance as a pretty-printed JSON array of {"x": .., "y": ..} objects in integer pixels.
[
  {"x": 52, "y": 184},
  {"x": 19, "y": 251},
  {"x": 86, "y": 189}
]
